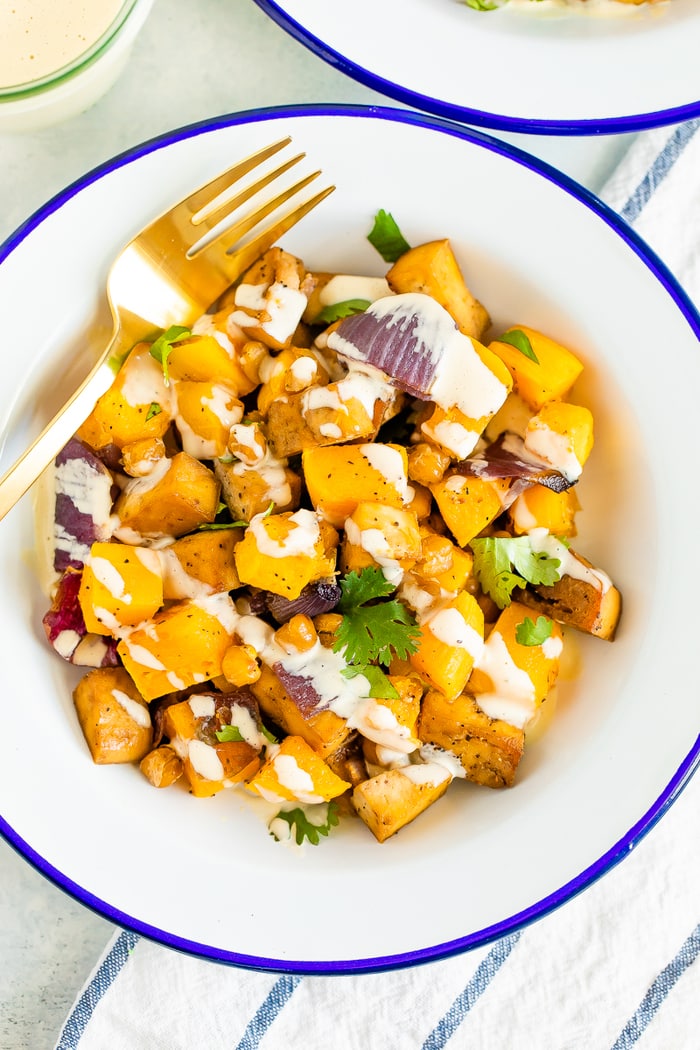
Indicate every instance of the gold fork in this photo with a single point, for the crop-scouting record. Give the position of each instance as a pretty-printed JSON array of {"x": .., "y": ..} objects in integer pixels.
[{"x": 170, "y": 273}]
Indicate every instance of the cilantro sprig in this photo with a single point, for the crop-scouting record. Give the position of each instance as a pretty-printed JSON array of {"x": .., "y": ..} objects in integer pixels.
[
  {"x": 533, "y": 633},
  {"x": 517, "y": 338},
  {"x": 387, "y": 238},
  {"x": 336, "y": 311},
  {"x": 303, "y": 828},
  {"x": 495, "y": 558},
  {"x": 163, "y": 345},
  {"x": 373, "y": 630},
  {"x": 229, "y": 734}
]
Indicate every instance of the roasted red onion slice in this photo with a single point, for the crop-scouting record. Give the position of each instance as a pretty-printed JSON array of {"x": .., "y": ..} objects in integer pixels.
[
  {"x": 83, "y": 505},
  {"x": 507, "y": 458},
  {"x": 300, "y": 689},
  {"x": 66, "y": 631},
  {"x": 317, "y": 598}
]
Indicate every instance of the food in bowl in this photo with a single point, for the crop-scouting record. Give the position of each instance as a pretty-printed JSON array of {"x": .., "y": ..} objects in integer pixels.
[{"x": 319, "y": 546}]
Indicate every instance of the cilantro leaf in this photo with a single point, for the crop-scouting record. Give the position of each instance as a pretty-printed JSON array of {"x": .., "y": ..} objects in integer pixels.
[
  {"x": 335, "y": 311},
  {"x": 517, "y": 338},
  {"x": 529, "y": 633},
  {"x": 387, "y": 238},
  {"x": 154, "y": 410},
  {"x": 270, "y": 737},
  {"x": 482, "y": 5},
  {"x": 229, "y": 734},
  {"x": 163, "y": 346},
  {"x": 304, "y": 828},
  {"x": 370, "y": 633},
  {"x": 496, "y": 556},
  {"x": 379, "y": 685}
]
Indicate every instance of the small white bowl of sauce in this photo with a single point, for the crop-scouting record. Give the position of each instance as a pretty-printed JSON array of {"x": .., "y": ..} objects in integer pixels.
[{"x": 57, "y": 57}]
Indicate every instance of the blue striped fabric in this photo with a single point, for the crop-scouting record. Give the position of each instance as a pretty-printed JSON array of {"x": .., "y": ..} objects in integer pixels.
[
  {"x": 659, "y": 170},
  {"x": 265, "y": 1016},
  {"x": 657, "y": 993},
  {"x": 484, "y": 974},
  {"x": 103, "y": 978}
]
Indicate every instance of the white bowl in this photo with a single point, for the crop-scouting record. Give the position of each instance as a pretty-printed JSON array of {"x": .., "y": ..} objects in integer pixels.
[
  {"x": 204, "y": 875},
  {"x": 74, "y": 87},
  {"x": 534, "y": 71}
]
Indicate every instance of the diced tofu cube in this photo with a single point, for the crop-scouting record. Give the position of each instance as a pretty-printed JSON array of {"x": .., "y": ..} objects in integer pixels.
[
  {"x": 392, "y": 799},
  {"x": 489, "y": 749},
  {"x": 113, "y": 716},
  {"x": 177, "y": 496}
]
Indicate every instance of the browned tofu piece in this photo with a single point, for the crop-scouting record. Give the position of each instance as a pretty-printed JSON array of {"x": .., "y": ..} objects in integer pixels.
[
  {"x": 207, "y": 556},
  {"x": 248, "y": 491},
  {"x": 586, "y": 605},
  {"x": 389, "y": 801},
  {"x": 114, "y": 717},
  {"x": 323, "y": 730},
  {"x": 488, "y": 748},
  {"x": 174, "y": 502}
]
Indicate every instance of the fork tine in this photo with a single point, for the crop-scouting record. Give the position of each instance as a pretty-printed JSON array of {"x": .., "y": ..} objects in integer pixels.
[
  {"x": 204, "y": 195},
  {"x": 208, "y": 219},
  {"x": 243, "y": 226},
  {"x": 235, "y": 261}
]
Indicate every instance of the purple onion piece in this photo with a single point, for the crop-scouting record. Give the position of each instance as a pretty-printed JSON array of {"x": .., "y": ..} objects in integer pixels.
[
  {"x": 299, "y": 689},
  {"x": 82, "y": 480},
  {"x": 388, "y": 337},
  {"x": 506, "y": 458},
  {"x": 316, "y": 598},
  {"x": 66, "y": 631}
]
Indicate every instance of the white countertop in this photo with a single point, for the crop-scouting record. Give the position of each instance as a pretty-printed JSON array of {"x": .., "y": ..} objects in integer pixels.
[{"x": 192, "y": 61}]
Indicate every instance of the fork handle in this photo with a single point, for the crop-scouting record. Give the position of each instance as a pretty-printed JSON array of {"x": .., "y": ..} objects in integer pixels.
[{"x": 32, "y": 463}]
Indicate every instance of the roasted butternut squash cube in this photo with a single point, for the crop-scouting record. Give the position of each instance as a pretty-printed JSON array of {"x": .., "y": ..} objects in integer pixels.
[
  {"x": 113, "y": 716},
  {"x": 339, "y": 477},
  {"x": 433, "y": 269},
  {"x": 177, "y": 496},
  {"x": 180, "y": 646},
  {"x": 283, "y": 553},
  {"x": 295, "y": 773},
  {"x": 488, "y": 748},
  {"x": 323, "y": 730},
  {"x": 390, "y": 721},
  {"x": 203, "y": 558},
  {"x": 206, "y": 359},
  {"x": 541, "y": 507},
  {"x": 392, "y": 799},
  {"x": 549, "y": 378},
  {"x": 512, "y": 678},
  {"x": 206, "y": 411},
  {"x": 120, "y": 586},
  {"x": 451, "y": 639},
  {"x": 561, "y": 434},
  {"x": 136, "y": 406},
  {"x": 468, "y": 505}
]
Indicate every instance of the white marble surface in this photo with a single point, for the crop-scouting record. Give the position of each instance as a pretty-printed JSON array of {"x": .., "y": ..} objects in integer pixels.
[{"x": 191, "y": 62}]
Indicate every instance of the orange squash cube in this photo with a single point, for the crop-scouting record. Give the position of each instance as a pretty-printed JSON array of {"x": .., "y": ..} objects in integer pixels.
[
  {"x": 120, "y": 586},
  {"x": 295, "y": 773},
  {"x": 451, "y": 640},
  {"x": 548, "y": 378}
]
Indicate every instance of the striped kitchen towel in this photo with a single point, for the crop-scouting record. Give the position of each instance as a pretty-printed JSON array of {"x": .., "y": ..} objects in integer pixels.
[{"x": 615, "y": 967}]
